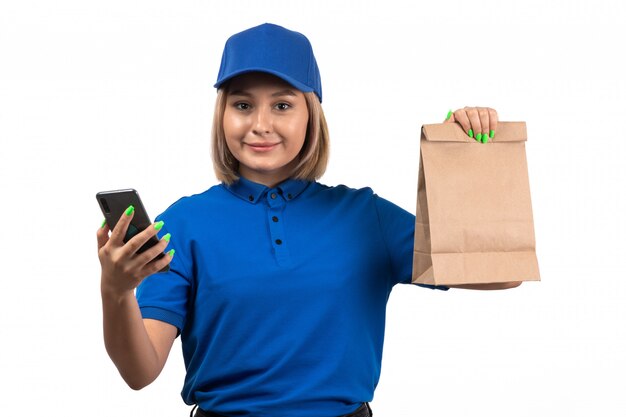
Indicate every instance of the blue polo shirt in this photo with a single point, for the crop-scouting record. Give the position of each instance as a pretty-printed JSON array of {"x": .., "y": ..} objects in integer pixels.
[{"x": 279, "y": 294}]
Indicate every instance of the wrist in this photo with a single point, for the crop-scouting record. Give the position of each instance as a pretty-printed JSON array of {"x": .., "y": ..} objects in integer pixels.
[{"x": 116, "y": 295}]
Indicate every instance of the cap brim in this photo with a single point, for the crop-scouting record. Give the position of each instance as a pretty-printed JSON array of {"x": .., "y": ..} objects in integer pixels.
[{"x": 295, "y": 83}]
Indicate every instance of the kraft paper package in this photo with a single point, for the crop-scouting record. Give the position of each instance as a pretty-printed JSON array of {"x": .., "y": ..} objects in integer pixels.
[{"x": 474, "y": 220}]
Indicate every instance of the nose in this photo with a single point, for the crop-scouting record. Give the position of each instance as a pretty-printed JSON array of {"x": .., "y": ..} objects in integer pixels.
[{"x": 263, "y": 123}]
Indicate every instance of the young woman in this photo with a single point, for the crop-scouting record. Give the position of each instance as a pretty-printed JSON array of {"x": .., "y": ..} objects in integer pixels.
[{"x": 279, "y": 284}]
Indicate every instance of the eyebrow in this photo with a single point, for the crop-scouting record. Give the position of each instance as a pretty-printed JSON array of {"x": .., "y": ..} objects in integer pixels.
[{"x": 286, "y": 92}]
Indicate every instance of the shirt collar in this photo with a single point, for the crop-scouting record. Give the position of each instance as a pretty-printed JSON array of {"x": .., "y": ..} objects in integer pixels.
[{"x": 251, "y": 191}]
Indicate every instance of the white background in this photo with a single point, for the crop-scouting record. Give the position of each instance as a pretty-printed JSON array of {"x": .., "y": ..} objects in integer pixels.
[{"x": 104, "y": 95}]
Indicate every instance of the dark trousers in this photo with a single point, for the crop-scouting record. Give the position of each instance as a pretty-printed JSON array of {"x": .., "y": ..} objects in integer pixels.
[{"x": 363, "y": 411}]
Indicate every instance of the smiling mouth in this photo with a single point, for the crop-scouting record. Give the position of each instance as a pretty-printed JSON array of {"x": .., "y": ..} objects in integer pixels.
[{"x": 263, "y": 147}]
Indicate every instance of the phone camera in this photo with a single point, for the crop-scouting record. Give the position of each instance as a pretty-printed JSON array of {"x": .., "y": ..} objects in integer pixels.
[{"x": 105, "y": 206}]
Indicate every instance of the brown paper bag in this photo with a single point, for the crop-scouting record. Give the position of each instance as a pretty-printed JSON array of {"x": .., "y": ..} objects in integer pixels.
[{"x": 474, "y": 220}]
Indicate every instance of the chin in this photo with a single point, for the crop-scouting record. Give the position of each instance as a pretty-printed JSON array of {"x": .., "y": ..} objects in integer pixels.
[{"x": 265, "y": 169}]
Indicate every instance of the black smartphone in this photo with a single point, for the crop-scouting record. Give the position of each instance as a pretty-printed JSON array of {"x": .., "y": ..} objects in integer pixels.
[{"x": 114, "y": 203}]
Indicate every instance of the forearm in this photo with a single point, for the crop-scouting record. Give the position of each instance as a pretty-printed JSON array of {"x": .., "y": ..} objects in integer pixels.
[
  {"x": 127, "y": 341},
  {"x": 494, "y": 286}
]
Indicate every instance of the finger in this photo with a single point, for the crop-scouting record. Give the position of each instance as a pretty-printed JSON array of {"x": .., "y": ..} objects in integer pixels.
[
  {"x": 118, "y": 233},
  {"x": 103, "y": 235},
  {"x": 134, "y": 244},
  {"x": 157, "y": 264},
  {"x": 463, "y": 120},
  {"x": 483, "y": 114},
  {"x": 450, "y": 117},
  {"x": 149, "y": 255},
  {"x": 472, "y": 114},
  {"x": 493, "y": 122}
]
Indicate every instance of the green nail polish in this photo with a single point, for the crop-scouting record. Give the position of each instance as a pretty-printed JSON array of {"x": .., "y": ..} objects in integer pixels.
[
  {"x": 158, "y": 225},
  {"x": 104, "y": 222},
  {"x": 129, "y": 210},
  {"x": 449, "y": 114},
  {"x": 471, "y": 133},
  {"x": 491, "y": 133},
  {"x": 479, "y": 137},
  {"x": 167, "y": 237},
  {"x": 171, "y": 252},
  {"x": 485, "y": 138}
]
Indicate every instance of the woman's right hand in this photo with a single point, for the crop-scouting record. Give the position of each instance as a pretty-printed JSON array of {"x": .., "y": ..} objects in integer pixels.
[{"x": 123, "y": 268}]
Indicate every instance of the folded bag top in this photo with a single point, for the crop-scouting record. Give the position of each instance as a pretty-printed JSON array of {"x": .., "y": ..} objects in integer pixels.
[
  {"x": 474, "y": 220},
  {"x": 452, "y": 132}
]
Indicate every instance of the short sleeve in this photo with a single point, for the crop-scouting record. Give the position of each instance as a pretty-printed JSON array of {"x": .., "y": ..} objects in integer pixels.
[
  {"x": 164, "y": 296},
  {"x": 398, "y": 228}
]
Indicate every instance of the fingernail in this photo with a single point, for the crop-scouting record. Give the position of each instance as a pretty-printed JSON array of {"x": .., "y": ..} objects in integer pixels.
[
  {"x": 171, "y": 252},
  {"x": 104, "y": 222},
  {"x": 479, "y": 137},
  {"x": 491, "y": 133},
  {"x": 158, "y": 225},
  {"x": 129, "y": 210},
  {"x": 449, "y": 114},
  {"x": 167, "y": 237},
  {"x": 485, "y": 138},
  {"x": 471, "y": 133}
]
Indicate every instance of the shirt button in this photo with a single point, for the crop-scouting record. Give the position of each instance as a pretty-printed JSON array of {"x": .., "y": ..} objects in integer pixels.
[
  {"x": 275, "y": 218},
  {"x": 250, "y": 198},
  {"x": 289, "y": 196},
  {"x": 279, "y": 242},
  {"x": 273, "y": 196}
]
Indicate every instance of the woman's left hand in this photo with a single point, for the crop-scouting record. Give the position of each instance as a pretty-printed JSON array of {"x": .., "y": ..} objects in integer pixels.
[{"x": 478, "y": 122}]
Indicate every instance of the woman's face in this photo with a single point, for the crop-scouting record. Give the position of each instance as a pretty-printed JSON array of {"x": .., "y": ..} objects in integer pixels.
[{"x": 265, "y": 124}]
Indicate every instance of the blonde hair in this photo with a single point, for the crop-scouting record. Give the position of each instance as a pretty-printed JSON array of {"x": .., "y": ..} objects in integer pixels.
[{"x": 313, "y": 156}]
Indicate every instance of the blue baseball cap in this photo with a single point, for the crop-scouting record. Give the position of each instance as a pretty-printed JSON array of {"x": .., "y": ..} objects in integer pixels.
[{"x": 273, "y": 49}]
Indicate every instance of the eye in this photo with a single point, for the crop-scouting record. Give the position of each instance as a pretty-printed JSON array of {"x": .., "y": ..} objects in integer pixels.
[
  {"x": 241, "y": 106},
  {"x": 283, "y": 106}
]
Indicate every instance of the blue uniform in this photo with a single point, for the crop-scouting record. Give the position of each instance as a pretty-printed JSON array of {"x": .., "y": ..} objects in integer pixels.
[{"x": 280, "y": 293}]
